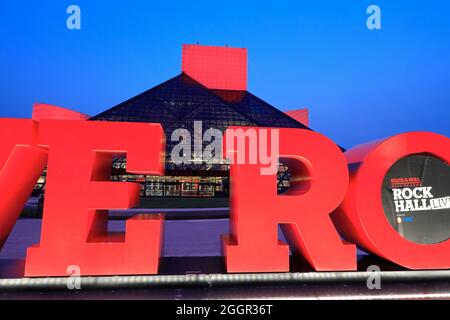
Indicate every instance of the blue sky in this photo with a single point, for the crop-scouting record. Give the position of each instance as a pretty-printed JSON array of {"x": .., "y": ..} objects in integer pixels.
[{"x": 359, "y": 84}]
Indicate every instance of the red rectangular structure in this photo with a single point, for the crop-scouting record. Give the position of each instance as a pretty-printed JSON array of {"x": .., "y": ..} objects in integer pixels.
[{"x": 216, "y": 67}]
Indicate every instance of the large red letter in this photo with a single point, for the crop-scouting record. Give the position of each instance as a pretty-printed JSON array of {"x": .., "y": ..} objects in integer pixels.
[
  {"x": 361, "y": 217},
  {"x": 74, "y": 228},
  {"x": 21, "y": 164},
  {"x": 318, "y": 185}
]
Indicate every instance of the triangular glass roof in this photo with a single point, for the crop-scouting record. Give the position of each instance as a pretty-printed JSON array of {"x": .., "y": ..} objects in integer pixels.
[{"x": 180, "y": 101}]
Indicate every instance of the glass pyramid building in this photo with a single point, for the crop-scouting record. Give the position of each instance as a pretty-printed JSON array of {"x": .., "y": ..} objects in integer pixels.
[{"x": 183, "y": 100}]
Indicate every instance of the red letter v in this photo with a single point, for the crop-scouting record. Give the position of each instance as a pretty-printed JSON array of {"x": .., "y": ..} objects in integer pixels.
[{"x": 21, "y": 164}]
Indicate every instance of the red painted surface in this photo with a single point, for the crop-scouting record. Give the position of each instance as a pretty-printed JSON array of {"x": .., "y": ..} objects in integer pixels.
[
  {"x": 78, "y": 195},
  {"x": 21, "y": 164},
  {"x": 47, "y": 111},
  {"x": 361, "y": 218},
  {"x": 216, "y": 67},
  {"x": 301, "y": 115},
  {"x": 319, "y": 185}
]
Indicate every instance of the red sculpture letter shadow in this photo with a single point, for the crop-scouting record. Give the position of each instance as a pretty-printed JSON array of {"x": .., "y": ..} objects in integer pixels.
[
  {"x": 75, "y": 221},
  {"x": 21, "y": 164},
  {"x": 361, "y": 218},
  {"x": 318, "y": 185}
]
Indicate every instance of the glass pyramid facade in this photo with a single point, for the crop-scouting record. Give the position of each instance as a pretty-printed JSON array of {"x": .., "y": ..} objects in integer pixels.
[{"x": 178, "y": 103}]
